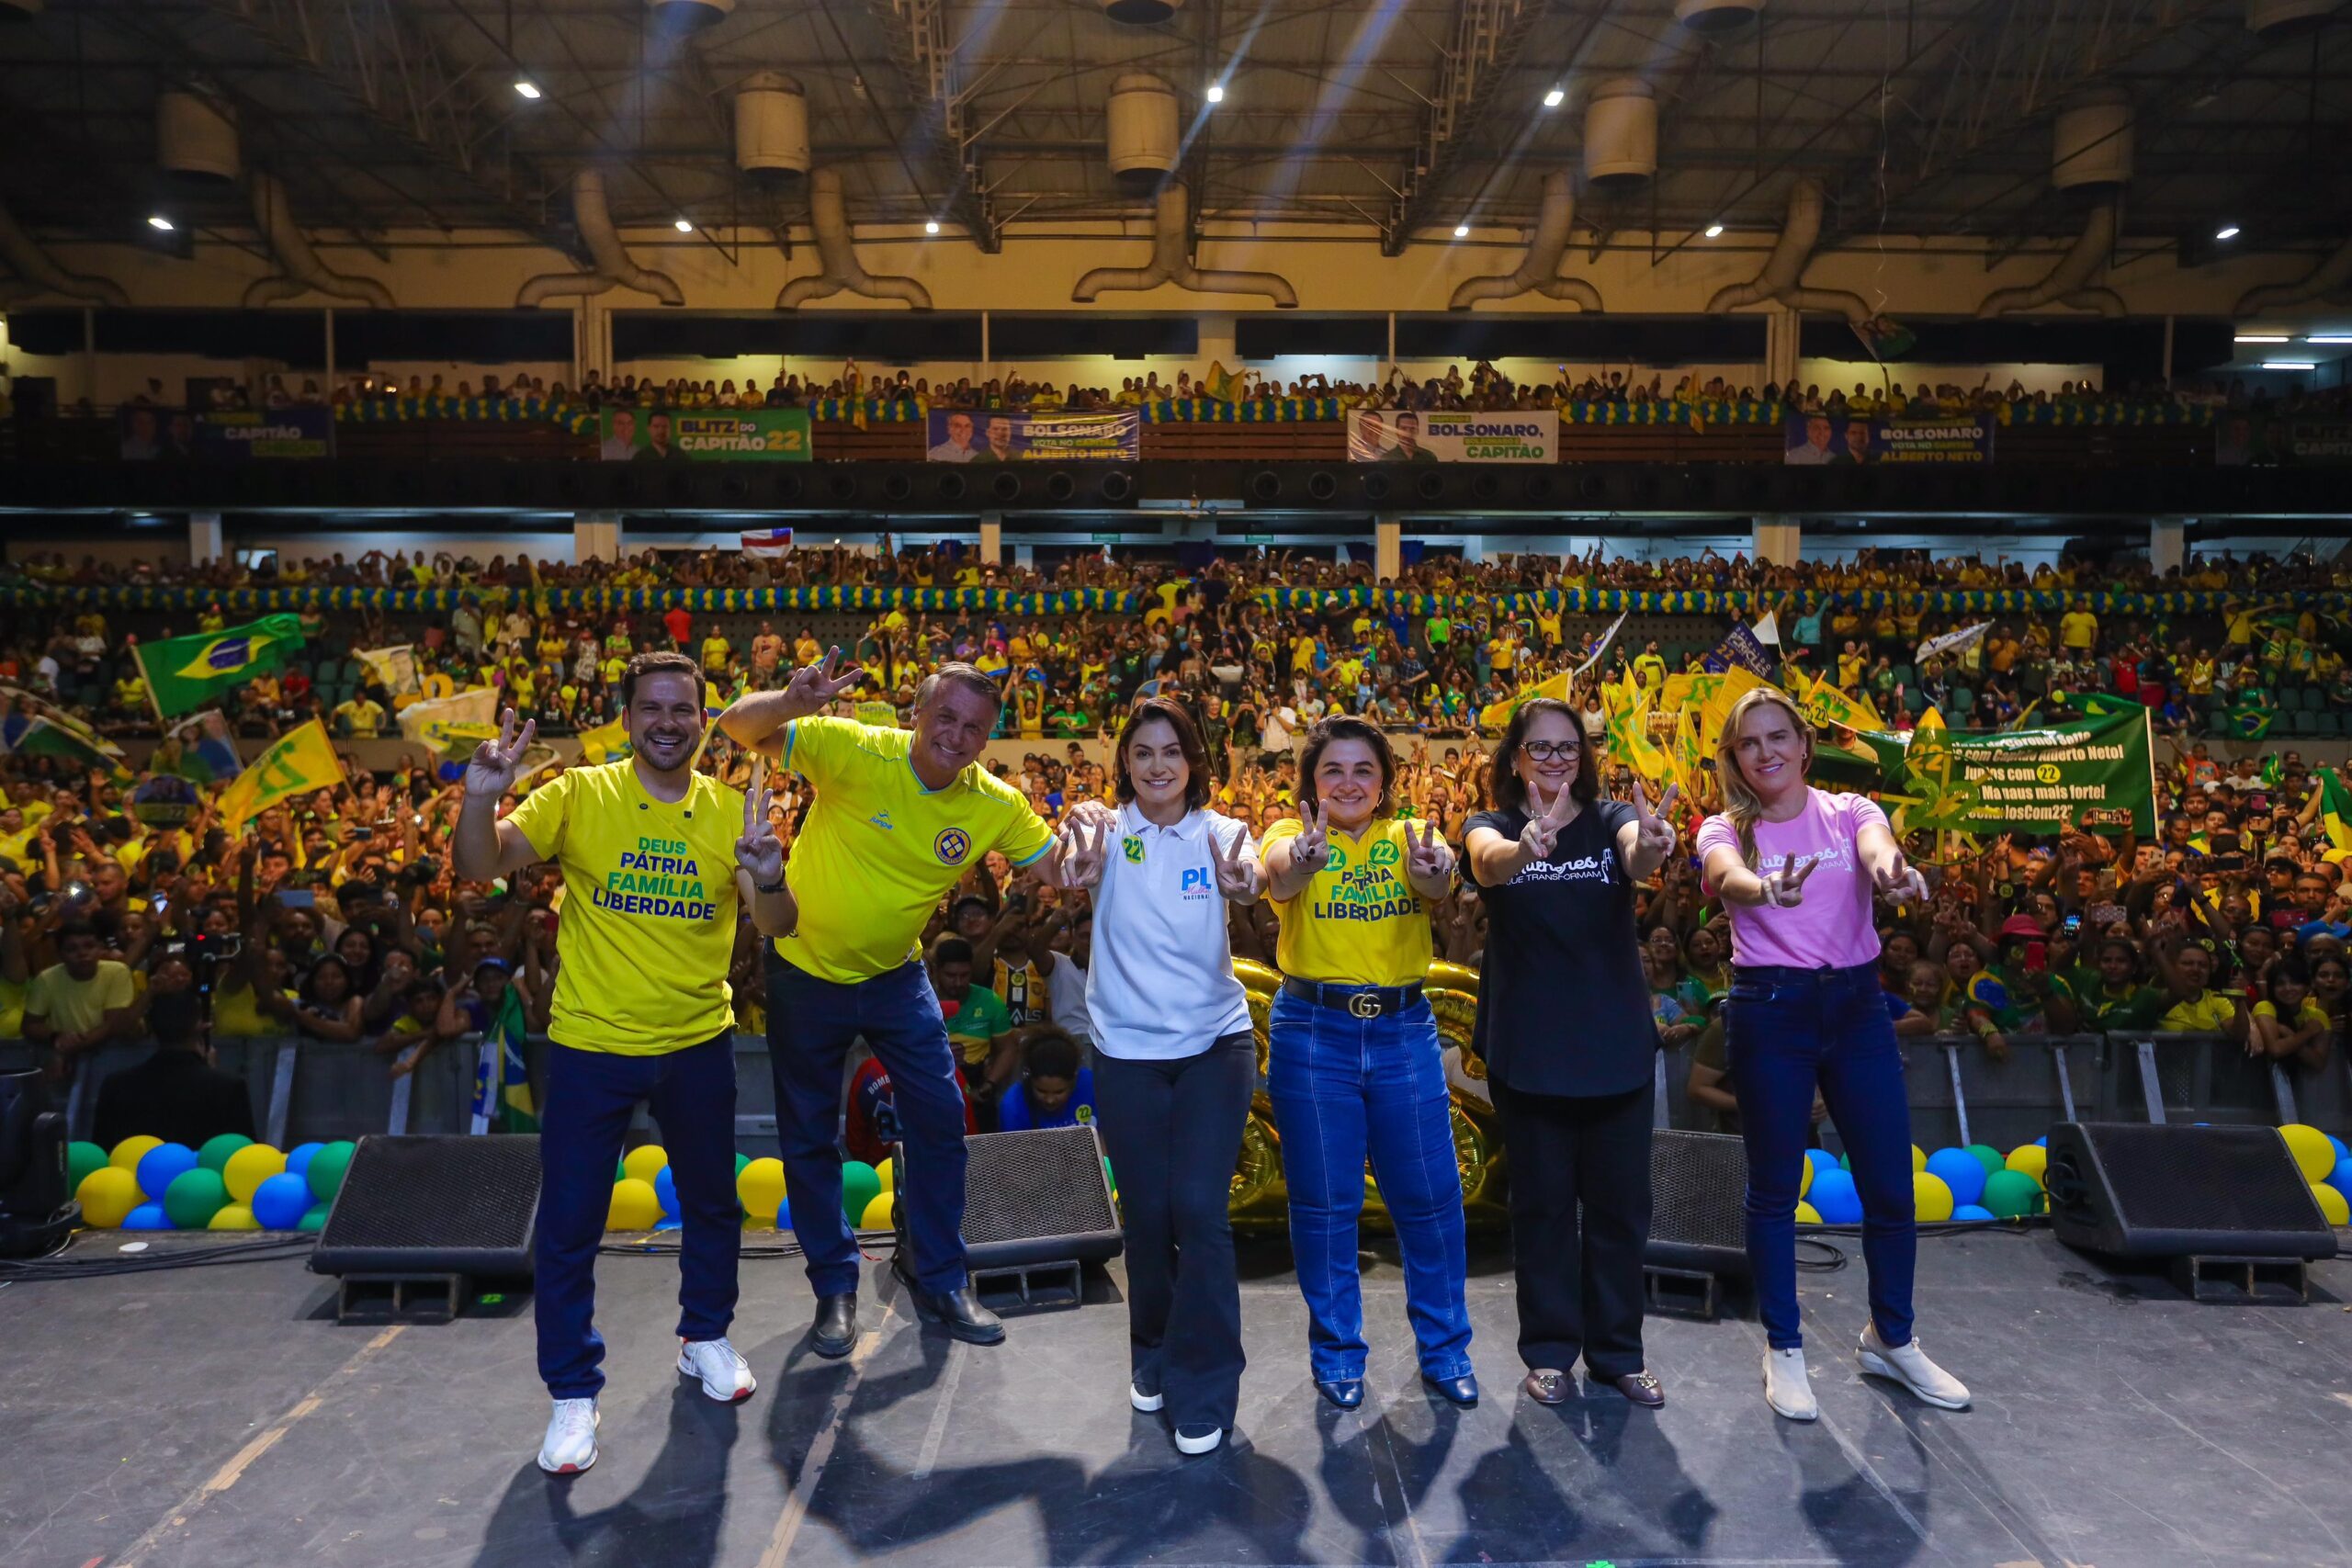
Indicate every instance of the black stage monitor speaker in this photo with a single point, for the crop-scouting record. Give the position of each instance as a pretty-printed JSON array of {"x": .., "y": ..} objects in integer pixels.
[
  {"x": 37, "y": 1214},
  {"x": 1034, "y": 1198},
  {"x": 2132, "y": 1189},
  {"x": 415, "y": 1208},
  {"x": 1697, "y": 1196}
]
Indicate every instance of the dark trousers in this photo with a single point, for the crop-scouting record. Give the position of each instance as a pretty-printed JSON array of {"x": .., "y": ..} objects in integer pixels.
[
  {"x": 1580, "y": 1284},
  {"x": 1173, "y": 1132},
  {"x": 1788, "y": 1030},
  {"x": 811, "y": 1023},
  {"x": 591, "y": 1095}
]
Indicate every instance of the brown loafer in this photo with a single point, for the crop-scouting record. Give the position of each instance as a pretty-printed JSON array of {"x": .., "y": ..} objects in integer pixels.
[
  {"x": 1546, "y": 1386},
  {"x": 1642, "y": 1387}
]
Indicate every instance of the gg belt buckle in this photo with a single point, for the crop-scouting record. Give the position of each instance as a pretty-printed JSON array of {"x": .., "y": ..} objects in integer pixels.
[{"x": 1364, "y": 1004}]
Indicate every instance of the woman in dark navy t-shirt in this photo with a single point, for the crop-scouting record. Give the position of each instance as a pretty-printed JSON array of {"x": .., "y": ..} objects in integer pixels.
[{"x": 1566, "y": 1031}]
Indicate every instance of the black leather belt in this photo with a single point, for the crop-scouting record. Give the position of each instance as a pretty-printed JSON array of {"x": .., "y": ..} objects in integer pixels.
[{"x": 1357, "y": 1001}]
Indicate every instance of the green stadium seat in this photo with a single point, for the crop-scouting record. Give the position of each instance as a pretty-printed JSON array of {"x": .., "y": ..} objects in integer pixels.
[{"x": 2303, "y": 723}]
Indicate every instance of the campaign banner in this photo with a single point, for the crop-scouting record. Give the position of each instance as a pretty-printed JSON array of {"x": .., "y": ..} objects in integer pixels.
[
  {"x": 225, "y": 435},
  {"x": 2288, "y": 440},
  {"x": 657, "y": 435},
  {"x": 1428, "y": 436},
  {"x": 1003, "y": 435},
  {"x": 1827, "y": 440},
  {"x": 2096, "y": 773}
]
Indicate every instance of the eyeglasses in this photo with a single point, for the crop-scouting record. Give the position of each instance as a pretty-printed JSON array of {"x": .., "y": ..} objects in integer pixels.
[{"x": 1546, "y": 751}]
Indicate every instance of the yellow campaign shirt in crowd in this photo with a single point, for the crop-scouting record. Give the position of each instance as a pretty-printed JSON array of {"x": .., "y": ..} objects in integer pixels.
[
  {"x": 76, "y": 1007},
  {"x": 2078, "y": 628},
  {"x": 878, "y": 848},
  {"x": 650, "y": 912},
  {"x": 1358, "y": 921},
  {"x": 2208, "y": 1012}
]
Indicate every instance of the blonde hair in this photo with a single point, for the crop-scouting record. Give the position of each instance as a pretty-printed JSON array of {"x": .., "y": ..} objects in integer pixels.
[{"x": 1741, "y": 805}]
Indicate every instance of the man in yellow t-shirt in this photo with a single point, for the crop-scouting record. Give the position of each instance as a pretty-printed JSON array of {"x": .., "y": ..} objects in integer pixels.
[
  {"x": 2078, "y": 630},
  {"x": 900, "y": 815},
  {"x": 656, "y": 876}
]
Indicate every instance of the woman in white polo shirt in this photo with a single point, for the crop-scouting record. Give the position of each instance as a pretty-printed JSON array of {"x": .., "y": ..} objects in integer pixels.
[{"x": 1174, "y": 1060}]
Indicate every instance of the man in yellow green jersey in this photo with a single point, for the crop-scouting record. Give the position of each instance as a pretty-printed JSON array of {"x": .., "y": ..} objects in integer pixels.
[
  {"x": 658, "y": 862},
  {"x": 900, "y": 817}
]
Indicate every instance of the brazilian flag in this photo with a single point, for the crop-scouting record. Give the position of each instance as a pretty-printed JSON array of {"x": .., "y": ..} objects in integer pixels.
[{"x": 185, "y": 674}]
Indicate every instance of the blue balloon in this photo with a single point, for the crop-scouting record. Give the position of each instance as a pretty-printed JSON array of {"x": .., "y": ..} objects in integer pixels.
[
  {"x": 2043, "y": 1142},
  {"x": 1834, "y": 1198},
  {"x": 1822, "y": 1160},
  {"x": 784, "y": 1213},
  {"x": 667, "y": 1224},
  {"x": 2341, "y": 1178},
  {"x": 298, "y": 1158},
  {"x": 147, "y": 1217},
  {"x": 1973, "y": 1211},
  {"x": 159, "y": 1165},
  {"x": 666, "y": 1187},
  {"x": 2343, "y": 1151},
  {"x": 280, "y": 1203},
  {"x": 1962, "y": 1171}
]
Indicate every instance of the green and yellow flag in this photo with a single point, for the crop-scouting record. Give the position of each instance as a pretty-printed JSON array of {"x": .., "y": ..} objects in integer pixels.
[
  {"x": 1825, "y": 705},
  {"x": 2336, "y": 814},
  {"x": 299, "y": 761},
  {"x": 1628, "y": 708},
  {"x": 605, "y": 743},
  {"x": 185, "y": 674}
]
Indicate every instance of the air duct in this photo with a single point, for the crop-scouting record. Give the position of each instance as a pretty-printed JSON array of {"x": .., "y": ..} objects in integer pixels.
[
  {"x": 1783, "y": 269},
  {"x": 2091, "y": 144},
  {"x": 838, "y": 266},
  {"x": 2273, "y": 20},
  {"x": 614, "y": 267},
  {"x": 2068, "y": 283},
  {"x": 1141, "y": 135},
  {"x": 1716, "y": 15},
  {"x": 1538, "y": 271},
  {"x": 2323, "y": 282},
  {"x": 299, "y": 270},
  {"x": 1620, "y": 132},
  {"x": 37, "y": 272},
  {"x": 1171, "y": 262},
  {"x": 195, "y": 138},
  {"x": 675, "y": 17},
  {"x": 771, "y": 126},
  {"x": 1141, "y": 13}
]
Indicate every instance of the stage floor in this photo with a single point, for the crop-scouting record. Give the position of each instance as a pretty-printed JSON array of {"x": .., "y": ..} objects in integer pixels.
[{"x": 218, "y": 1417}]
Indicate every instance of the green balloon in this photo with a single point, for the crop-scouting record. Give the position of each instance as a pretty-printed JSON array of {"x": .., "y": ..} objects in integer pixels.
[
  {"x": 742, "y": 1159},
  {"x": 1845, "y": 1162},
  {"x": 860, "y": 1186},
  {"x": 314, "y": 1218},
  {"x": 194, "y": 1196},
  {"x": 214, "y": 1155},
  {"x": 1108, "y": 1179},
  {"x": 2011, "y": 1194},
  {"x": 325, "y": 1175},
  {"x": 1991, "y": 1158},
  {"x": 81, "y": 1158}
]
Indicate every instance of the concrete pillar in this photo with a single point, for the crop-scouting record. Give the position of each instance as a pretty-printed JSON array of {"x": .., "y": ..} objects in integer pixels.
[
  {"x": 1387, "y": 547},
  {"x": 1782, "y": 331},
  {"x": 1778, "y": 540},
  {"x": 1474, "y": 549},
  {"x": 204, "y": 545},
  {"x": 2167, "y": 544},
  {"x": 991, "y": 538},
  {"x": 595, "y": 536},
  {"x": 1024, "y": 555}
]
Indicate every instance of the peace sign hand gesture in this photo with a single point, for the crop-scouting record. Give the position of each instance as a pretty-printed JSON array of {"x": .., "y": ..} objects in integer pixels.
[
  {"x": 1238, "y": 875},
  {"x": 491, "y": 771},
  {"x": 1310, "y": 847},
  {"x": 1784, "y": 889},
  {"x": 1085, "y": 845},
  {"x": 759, "y": 851},
  {"x": 1899, "y": 882},
  {"x": 1427, "y": 857},
  {"x": 1654, "y": 832},
  {"x": 814, "y": 685},
  {"x": 1543, "y": 832}
]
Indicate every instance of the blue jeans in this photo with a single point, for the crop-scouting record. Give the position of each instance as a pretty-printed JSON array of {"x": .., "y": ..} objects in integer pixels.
[
  {"x": 810, "y": 1025},
  {"x": 1786, "y": 1031},
  {"x": 1342, "y": 1088},
  {"x": 591, "y": 1095}
]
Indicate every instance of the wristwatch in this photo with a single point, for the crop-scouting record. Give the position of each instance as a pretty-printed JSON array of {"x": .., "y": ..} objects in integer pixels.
[{"x": 767, "y": 887}]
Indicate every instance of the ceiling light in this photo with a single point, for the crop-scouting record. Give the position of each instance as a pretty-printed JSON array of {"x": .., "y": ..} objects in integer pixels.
[
  {"x": 1554, "y": 99},
  {"x": 2261, "y": 337},
  {"x": 685, "y": 226},
  {"x": 1714, "y": 231},
  {"x": 1216, "y": 92},
  {"x": 931, "y": 225},
  {"x": 2329, "y": 337},
  {"x": 157, "y": 220},
  {"x": 2226, "y": 232},
  {"x": 1462, "y": 231},
  {"x": 526, "y": 86},
  {"x": 2289, "y": 365}
]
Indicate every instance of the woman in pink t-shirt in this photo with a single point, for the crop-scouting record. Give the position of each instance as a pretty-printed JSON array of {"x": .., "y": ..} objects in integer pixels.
[{"x": 1797, "y": 870}]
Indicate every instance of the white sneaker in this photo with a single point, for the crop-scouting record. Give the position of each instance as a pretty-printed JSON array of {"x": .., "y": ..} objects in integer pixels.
[
  {"x": 1786, "y": 1388},
  {"x": 1910, "y": 1367},
  {"x": 1198, "y": 1439},
  {"x": 726, "y": 1376},
  {"x": 571, "y": 1445},
  {"x": 1147, "y": 1403}
]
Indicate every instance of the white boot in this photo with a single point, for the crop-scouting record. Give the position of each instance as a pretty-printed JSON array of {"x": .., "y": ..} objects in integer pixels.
[
  {"x": 1910, "y": 1367},
  {"x": 725, "y": 1375},
  {"x": 1786, "y": 1388},
  {"x": 571, "y": 1445}
]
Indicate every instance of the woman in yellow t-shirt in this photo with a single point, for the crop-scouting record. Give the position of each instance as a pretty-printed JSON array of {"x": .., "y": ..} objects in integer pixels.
[
  {"x": 1354, "y": 1066},
  {"x": 2289, "y": 1025}
]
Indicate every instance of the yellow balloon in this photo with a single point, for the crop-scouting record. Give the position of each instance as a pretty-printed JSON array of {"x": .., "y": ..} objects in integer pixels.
[
  {"x": 2332, "y": 1204},
  {"x": 877, "y": 1212},
  {"x": 108, "y": 1195},
  {"x": 2314, "y": 1155},
  {"x": 1930, "y": 1197},
  {"x": 887, "y": 1174},
  {"x": 2031, "y": 1158},
  {"x": 130, "y": 1151},
  {"x": 635, "y": 1206},
  {"x": 1919, "y": 1158},
  {"x": 1807, "y": 1214},
  {"x": 246, "y": 1171},
  {"x": 234, "y": 1217},
  {"x": 645, "y": 1163},
  {"x": 760, "y": 1185},
  {"x": 1805, "y": 1176}
]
